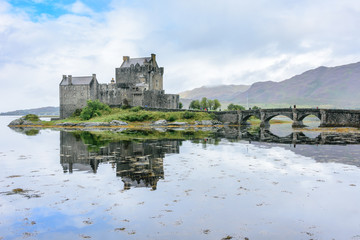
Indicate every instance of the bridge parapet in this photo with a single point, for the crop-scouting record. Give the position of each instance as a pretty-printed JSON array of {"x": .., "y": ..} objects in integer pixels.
[{"x": 328, "y": 117}]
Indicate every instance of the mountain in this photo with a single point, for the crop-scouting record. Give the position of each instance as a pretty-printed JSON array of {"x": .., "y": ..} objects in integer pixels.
[
  {"x": 324, "y": 86},
  {"x": 222, "y": 92},
  {"x": 50, "y": 111},
  {"x": 332, "y": 86}
]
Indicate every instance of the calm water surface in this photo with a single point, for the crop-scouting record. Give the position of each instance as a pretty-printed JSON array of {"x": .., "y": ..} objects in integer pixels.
[{"x": 80, "y": 186}]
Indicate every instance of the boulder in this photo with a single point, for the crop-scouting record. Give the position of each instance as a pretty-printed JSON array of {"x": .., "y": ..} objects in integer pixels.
[
  {"x": 66, "y": 124},
  {"x": 161, "y": 122},
  {"x": 117, "y": 123},
  {"x": 94, "y": 124},
  {"x": 22, "y": 121},
  {"x": 178, "y": 123},
  {"x": 18, "y": 121},
  {"x": 206, "y": 122}
]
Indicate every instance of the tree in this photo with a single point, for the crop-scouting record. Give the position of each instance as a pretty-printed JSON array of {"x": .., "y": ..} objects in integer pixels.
[
  {"x": 210, "y": 104},
  {"x": 180, "y": 105},
  {"x": 234, "y": 107},
  {"x": 216, "y": 104},
  {"x": 204, "y": 103},
  {"x": 195, "y": 104},
  {"x": 255, "y": 107},
  {"x": 93, "y": 109}
]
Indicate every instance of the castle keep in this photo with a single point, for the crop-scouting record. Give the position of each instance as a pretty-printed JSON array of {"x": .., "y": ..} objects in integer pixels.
[{"x": 139, "y": 82}]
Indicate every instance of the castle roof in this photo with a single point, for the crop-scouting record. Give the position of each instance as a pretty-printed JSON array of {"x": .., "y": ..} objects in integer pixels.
[
  {"x": 135, "y": 61},
  {"x": 86, "y": 80}
]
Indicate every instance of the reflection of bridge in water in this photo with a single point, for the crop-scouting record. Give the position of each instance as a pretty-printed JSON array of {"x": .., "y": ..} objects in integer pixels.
[
  {"x": 139, "y": 164},
  {"x": 265, "y": 135}
]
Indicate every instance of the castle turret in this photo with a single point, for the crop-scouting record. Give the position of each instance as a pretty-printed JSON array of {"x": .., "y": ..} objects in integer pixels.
[{"x": 153, "y": 59}]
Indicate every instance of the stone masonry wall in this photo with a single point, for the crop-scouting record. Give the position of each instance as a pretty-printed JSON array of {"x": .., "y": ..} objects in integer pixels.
[{"x": 74, "y": 97}]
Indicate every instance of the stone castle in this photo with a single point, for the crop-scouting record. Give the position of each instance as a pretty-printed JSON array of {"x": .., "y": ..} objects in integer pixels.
[{"x": 139, "y": 82}]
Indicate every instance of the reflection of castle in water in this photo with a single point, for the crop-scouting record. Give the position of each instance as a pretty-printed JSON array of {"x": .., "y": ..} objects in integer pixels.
[{"x": 139, "y": 164}]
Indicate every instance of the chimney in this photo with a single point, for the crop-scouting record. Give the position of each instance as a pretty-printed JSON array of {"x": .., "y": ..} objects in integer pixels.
[
  {"x": 153, "y": 58},
  {"x": 70, "y": 79},
  {"x": 126, "y": 58},
  {"x": 94, "y": 76}
]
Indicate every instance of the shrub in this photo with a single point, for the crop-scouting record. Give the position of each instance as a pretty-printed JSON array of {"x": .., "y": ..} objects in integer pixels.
[
  {"x": 32, "y": 117},
  {"x": 188, "y": 115},
  {"x": 76, "y": 113},
  {"x": 171, "y": 118},
  {"x": 93, "y": 109},
  {"x": 136, "y": 109},
  {"x": 124, "y": 107},
  {"x": 137, "y": 117},
  {"x": 213, "y": 116}
]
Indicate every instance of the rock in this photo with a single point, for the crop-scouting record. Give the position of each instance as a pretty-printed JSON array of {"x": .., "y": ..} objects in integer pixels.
[
  {"x": 22, "y": 121},
  {"x": 18, "y": 121},
  {"x": 206, "y": 122},
  {"x": 178, "y": 123},
  {"x": 66, "y": 124},
  {"x": 117, "y": 123},
  {"x": 94, "y": 124},
  {"x": 161, "y": 122}
]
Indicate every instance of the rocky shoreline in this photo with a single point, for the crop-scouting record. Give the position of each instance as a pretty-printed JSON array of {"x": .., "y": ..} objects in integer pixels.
[{"x": 21, "y": 122}]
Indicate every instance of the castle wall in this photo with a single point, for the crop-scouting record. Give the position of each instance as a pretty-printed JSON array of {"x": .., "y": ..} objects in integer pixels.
[
  {"x": 157, "y": 99},
  {"x": 132, "y": 75},
  {"x": 152, "y": 76},
  {"x": 157, "y": 80},
  {"x": 113, "y": 95},
  {"x": 74, "y": 97}
]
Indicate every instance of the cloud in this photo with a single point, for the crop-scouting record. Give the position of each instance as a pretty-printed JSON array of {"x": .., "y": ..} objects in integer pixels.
[
  {"x": 198, "y": 42},
  {"x": 79, "y": 8}
]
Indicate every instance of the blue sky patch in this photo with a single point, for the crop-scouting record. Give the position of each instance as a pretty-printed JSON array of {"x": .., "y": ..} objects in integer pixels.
[{"x": 37, "y": 8}]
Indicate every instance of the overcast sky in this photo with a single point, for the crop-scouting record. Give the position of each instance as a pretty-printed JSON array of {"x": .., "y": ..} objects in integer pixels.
[{"x": 199, "y": 42}]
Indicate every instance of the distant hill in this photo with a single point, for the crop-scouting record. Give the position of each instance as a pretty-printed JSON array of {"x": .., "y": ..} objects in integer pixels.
[
  {"x": 222, "y": 92},
  {"x": 335, "y": 86},
  {"x": 324, "y": 86},
  {"x": 50, "y": 111}
]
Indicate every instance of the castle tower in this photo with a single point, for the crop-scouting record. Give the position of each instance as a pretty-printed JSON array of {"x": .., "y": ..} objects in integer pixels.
[{"x": 144, "y": 71}]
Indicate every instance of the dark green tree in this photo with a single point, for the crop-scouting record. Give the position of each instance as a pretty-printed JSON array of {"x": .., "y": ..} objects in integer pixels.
[
  {"x": 216, "y": 104},
  {"x": 195, "y": 104},
  {"x": 204, "y": 103},
  {"x": 234, "y": 107}
]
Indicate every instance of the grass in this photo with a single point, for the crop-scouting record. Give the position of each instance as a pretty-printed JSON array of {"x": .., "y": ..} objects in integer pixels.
[{"x": 138, "y": 116}]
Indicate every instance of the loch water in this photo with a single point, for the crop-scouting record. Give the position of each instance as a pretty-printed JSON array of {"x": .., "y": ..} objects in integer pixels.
[{"x": 178, "y": 185}]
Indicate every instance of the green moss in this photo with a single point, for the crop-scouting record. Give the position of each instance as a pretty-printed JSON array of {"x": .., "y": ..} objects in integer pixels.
[{"x": 32, "y": 117}]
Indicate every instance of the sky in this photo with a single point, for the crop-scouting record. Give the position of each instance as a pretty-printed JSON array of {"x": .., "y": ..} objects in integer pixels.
[{"x": 198, "y": 42}]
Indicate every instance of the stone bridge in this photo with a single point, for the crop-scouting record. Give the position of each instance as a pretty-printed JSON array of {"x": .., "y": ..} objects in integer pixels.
[{"x": 327, "y": 117}]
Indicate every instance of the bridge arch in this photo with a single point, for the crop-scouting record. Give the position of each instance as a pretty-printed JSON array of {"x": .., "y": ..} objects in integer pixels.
[
  {"x": 245, "y": 115},
  {"x": 310, "y": 119},
  {"x": 267, "y": 116}
]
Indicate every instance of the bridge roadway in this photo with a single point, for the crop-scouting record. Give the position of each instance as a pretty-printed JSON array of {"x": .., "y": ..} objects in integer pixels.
[{"x": 327, "y": 117}]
